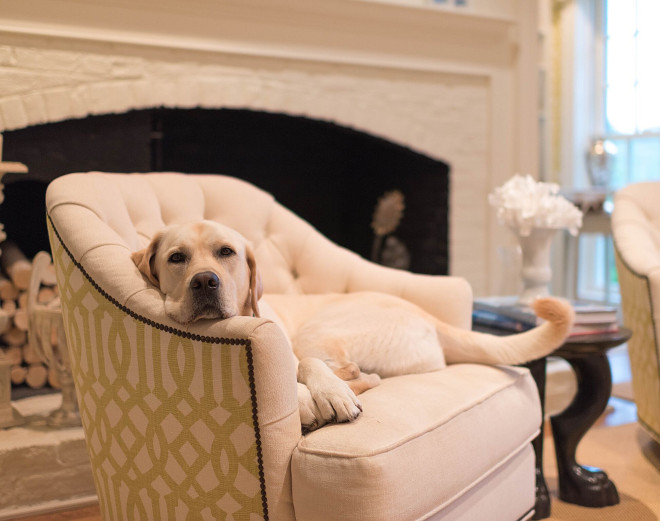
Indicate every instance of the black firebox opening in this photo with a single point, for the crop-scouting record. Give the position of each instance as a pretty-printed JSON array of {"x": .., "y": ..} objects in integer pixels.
[{"x": 330, "y": 175}]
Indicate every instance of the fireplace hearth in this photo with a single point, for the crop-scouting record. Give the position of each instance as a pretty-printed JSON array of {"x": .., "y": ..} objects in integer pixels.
[{"x": 330, "y": 175}]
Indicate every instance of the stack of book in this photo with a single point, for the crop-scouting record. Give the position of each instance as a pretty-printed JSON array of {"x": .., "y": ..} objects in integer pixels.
[{"x": 503, "y": 314}]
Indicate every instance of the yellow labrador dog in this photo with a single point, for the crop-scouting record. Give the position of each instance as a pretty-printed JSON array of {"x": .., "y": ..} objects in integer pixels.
[{"x": 343, "y": 343}]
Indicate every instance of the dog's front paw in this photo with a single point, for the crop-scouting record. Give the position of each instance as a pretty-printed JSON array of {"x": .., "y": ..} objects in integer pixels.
[
  {"x": 325, "y": 398},
  {"x": 310, "y": 416},
  {"x": 335, "y": 401},
  {"x": 337, "y": 404}
]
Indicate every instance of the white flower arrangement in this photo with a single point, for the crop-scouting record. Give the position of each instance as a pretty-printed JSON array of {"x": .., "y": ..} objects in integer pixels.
[{"x": 523, "y": 204}]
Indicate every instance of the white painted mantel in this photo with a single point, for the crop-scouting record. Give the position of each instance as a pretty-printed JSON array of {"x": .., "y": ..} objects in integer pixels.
[{"x": 457, "y": 84}]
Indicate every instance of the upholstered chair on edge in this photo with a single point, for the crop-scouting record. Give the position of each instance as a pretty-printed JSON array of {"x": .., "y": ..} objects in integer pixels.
[
  {"x": 636, "y": 233},
  {"x": 202, "y": 422}
]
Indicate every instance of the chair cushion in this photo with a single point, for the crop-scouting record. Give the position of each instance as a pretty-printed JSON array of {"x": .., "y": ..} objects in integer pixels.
[{"x": 442, "y": 432}]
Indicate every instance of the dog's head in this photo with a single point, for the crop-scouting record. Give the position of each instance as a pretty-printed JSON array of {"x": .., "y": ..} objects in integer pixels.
[{"x": 205, "y": 270}]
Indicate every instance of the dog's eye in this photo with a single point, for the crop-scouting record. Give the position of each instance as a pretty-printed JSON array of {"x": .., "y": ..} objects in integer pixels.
[
  {"x": 176, "y": 258},
  {"x": 225, "y": 251}
]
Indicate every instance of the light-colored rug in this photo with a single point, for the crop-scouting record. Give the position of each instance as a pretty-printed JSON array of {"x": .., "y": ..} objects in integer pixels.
[{"x": 630, "y": 458}]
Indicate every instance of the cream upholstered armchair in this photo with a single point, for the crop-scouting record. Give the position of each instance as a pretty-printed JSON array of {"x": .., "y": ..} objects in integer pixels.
[
  {"x": 202, "y": 422},
  {"x": 636, "y": 233}
]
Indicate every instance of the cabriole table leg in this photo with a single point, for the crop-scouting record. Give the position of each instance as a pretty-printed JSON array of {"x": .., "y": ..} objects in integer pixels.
[{"x": 581, "y": 485}]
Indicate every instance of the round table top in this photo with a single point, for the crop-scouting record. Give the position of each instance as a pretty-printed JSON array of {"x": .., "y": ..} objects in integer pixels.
[{"x": 585, "y": 345}]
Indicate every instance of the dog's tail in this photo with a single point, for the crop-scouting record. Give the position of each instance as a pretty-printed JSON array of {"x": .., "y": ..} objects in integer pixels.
[{"x": 471, "y": 346}]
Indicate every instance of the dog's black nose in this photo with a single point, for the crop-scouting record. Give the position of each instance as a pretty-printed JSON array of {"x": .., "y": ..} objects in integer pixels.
[{"x": 205, "y": 281}]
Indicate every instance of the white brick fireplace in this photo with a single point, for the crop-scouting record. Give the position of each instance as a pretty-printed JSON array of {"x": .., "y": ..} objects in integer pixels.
[{"x": 457, "y": 84}]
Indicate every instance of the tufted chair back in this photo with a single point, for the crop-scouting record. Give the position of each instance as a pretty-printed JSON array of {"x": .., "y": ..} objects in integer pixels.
[{"x": 291, "y": 255}]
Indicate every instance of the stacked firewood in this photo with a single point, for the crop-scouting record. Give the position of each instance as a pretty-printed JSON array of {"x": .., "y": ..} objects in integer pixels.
[{"x": 27, "y": 365}]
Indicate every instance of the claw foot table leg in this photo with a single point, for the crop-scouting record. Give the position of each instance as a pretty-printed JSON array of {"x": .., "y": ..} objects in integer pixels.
[{"x": 581, "y": 485}]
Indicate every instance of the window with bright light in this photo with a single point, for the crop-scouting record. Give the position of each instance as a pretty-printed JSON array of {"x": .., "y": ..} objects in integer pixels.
[
  {"x": 629, "y": 120},
  {"x": 632, "y": 89}
]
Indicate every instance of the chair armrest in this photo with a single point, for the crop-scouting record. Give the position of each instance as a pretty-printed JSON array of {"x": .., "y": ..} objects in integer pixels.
[
  {"x": 446, "y": 297},
  {"x": 190, "y": 414},
  {"x": 277, "y": 409},
  {"x": 324, "y": 267}
]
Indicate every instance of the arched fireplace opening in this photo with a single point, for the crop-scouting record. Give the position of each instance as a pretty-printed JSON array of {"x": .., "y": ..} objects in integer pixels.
[{"x": 330, "y": 175}]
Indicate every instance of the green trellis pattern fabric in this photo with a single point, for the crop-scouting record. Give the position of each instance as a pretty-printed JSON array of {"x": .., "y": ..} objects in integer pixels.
[
  {"x": 169, "y": 420},
  {"x": 642, "y": 347}
]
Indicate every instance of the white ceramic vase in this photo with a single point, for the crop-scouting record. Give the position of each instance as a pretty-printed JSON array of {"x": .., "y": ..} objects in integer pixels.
[{"x": 536, "y": 271}]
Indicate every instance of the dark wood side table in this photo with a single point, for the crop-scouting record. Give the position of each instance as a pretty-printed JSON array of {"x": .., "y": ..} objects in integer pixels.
[
  {"x": 585, "y": 486},
  {"x": 581, "y": 485}
]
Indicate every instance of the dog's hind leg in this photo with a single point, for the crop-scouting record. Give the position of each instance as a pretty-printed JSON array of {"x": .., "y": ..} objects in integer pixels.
[
  {"x": 364, "y": 382},
  {"x": 331, "y": 350},
  {"x": 338, "y": 360},
  {"x": 344, "y": 369}
]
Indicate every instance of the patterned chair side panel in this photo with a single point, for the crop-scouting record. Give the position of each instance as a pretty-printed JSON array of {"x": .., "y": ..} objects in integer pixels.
[
  {"x": 642, "y": 347},
  {"x": 170, "y": 421}
]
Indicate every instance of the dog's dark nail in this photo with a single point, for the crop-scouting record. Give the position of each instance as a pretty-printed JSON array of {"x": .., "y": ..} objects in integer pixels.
[{"x": 306, "y": 429}]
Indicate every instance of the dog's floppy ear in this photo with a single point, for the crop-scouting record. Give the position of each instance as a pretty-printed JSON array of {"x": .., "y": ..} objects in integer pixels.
[
  {"x": 144, "y": 260},
  {"x": 256, "y": 286}
]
